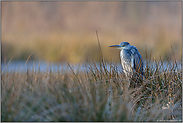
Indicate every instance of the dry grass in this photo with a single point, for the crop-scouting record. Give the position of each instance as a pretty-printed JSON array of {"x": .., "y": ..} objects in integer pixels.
[{"x": 95, "y": 94}]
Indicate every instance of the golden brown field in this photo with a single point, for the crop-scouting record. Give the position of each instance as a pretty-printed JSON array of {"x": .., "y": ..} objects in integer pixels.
[{"x": 56, "y": 31}]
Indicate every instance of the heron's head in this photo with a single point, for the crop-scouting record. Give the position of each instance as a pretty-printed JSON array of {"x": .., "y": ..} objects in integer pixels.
[{"x": 122, "y": 45}]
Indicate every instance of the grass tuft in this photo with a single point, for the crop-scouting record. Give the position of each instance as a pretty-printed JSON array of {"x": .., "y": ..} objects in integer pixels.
[{"x": 94, "y": 94}]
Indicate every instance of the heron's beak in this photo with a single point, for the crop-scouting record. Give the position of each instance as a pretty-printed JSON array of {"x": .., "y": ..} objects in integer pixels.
[{"x": 116, "y": 46}]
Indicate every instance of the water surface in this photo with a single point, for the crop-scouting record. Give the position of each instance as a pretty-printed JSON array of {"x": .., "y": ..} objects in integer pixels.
[{"x": 43, "y": 66}]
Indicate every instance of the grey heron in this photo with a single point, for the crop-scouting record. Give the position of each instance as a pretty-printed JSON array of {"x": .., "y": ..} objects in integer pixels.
[{"x": 131, "y": 59}]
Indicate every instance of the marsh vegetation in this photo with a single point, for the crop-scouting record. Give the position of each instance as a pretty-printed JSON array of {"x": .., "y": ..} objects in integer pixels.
[{"x": 95, "y": 94}]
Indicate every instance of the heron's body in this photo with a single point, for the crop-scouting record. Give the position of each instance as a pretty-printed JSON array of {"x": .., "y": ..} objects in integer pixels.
[{"x": 131, "y": 60}]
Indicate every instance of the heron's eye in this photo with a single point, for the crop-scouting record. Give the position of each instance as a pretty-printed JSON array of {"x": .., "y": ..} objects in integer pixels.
[{"x": 122, "y": 45}]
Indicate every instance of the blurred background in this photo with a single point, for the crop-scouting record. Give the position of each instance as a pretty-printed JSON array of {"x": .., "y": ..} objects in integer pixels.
[{"x": 66, "y": 31}]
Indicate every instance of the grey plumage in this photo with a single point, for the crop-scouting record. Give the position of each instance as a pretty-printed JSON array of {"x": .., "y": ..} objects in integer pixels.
[{"x": 131, "y": 60}]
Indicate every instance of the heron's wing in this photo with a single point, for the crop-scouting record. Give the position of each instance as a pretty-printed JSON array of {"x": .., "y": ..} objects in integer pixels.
[{"x": 137, "y": 61}]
